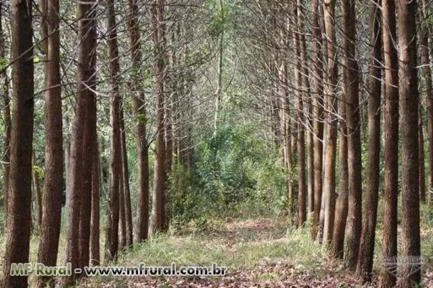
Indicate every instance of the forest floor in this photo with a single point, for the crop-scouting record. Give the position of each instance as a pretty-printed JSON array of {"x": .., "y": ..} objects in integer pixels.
[{"x": 257, "y": 253}]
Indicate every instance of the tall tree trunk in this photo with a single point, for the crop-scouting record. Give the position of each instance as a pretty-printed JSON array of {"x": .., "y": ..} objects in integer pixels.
[
  {"x": 115, "y": 160},
  {"x": 337, "y": 248},
  {"x": 19, "y": 203},
  {"x": 53, "y": 183},
  {"x": 366, "y": 250},
  {"x": 354, "y": 220},
  {"x": 88, "y": 150},
  {"x": 408, "y": 79},
  {"x": 318, "y": 114},
  {"x": 302, "y": 191},
  {"x": 95, "y": 257},
  {"x": 86, "y": 79},
  {"x": 4, "y": 90},
  {"x": 159, "y": 67},
  {"x": 389, "y": 240},
  {"x": 126, "y": 188},
  {"x": 139, "y": 107},
  {"x": 331, "y": 122}
]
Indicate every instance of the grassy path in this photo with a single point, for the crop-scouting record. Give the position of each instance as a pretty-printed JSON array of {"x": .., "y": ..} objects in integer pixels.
[{"x": 257, "y": 253}]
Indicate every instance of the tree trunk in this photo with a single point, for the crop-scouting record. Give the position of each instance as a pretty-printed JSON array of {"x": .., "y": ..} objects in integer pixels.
[
  {"x": 354, "y": 220},
  {"x": 115, "y": 160},
  {"x": 366, "y": 250},
  {"x": 159, "y": 67},
  {"x": 126, "y": 188},
  {"x": 95, "y": 257},
  {"x": 408, "y": 79},
  {"x": 331, "y": 122},
  {"x": 53, "y": 183},
  {"x": 337, "y": 248},
  {"x": 19, "y": 203},
  {"x": 318, "y": 114},
  {"x": 139, "y": 108},
  {"x": 86, "y": 79},
  {"x": 302, "y": 191},
  {"x": 389, "y": 240}
]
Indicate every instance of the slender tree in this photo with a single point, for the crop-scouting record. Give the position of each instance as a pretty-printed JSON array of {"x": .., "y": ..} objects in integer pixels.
[
  {"x": 112, "y": 245},
  {"x": 139, "y": 107},
  {"x": 318, "y": 113},
  {"x": 53, "y": 185},
  {"x": 354, "y": 220},
  {"x": 331, "y": 121},
  {"x": 159, "y": 70},
  {"x": 366, "y": 250},
  {"x": 19, "y": 202},
  {"x": 389, "y": 240},
  {"x": 86, "y": 73},
  {"x": 408, "y": 79}
]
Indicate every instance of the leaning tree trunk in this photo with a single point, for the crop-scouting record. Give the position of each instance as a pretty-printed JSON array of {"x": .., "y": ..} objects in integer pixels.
[
  {"x": 408, "y": 79},
  {"x": 53, "y": 185},
  {"x": 19, "y": 203},
  {"x": 366, "y": 250},
  {"x": 389, "y": 240}
]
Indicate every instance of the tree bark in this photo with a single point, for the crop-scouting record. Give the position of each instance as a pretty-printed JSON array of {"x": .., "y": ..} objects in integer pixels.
[
  {"x": 337, "y": 247},
  {"x": 19, "y": 203},
  {"x": 389, "y": 240},
  {"x": 366, "y": 250},
  {"x": 354, "y": 220},
  {"x": 160, "y": 169},
  {"x": 408, "y": 78},
  {"x": 126, "y": 187},
  {"x": 331, "y": 122},
  {"x": 139, "y": 108},
  {"x": 112, "y": 241},
  {"x": 318, "y": 114}
]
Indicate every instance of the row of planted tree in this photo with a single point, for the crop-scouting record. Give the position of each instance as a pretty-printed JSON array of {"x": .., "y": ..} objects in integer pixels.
[
  {"x": 305, "y": 69},
  {"x": 72, "y": 155},
  {"x": 327, "y": 100}
]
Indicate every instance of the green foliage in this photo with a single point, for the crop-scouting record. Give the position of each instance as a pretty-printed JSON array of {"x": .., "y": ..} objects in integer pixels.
[{"x": 235, "y": 174}]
